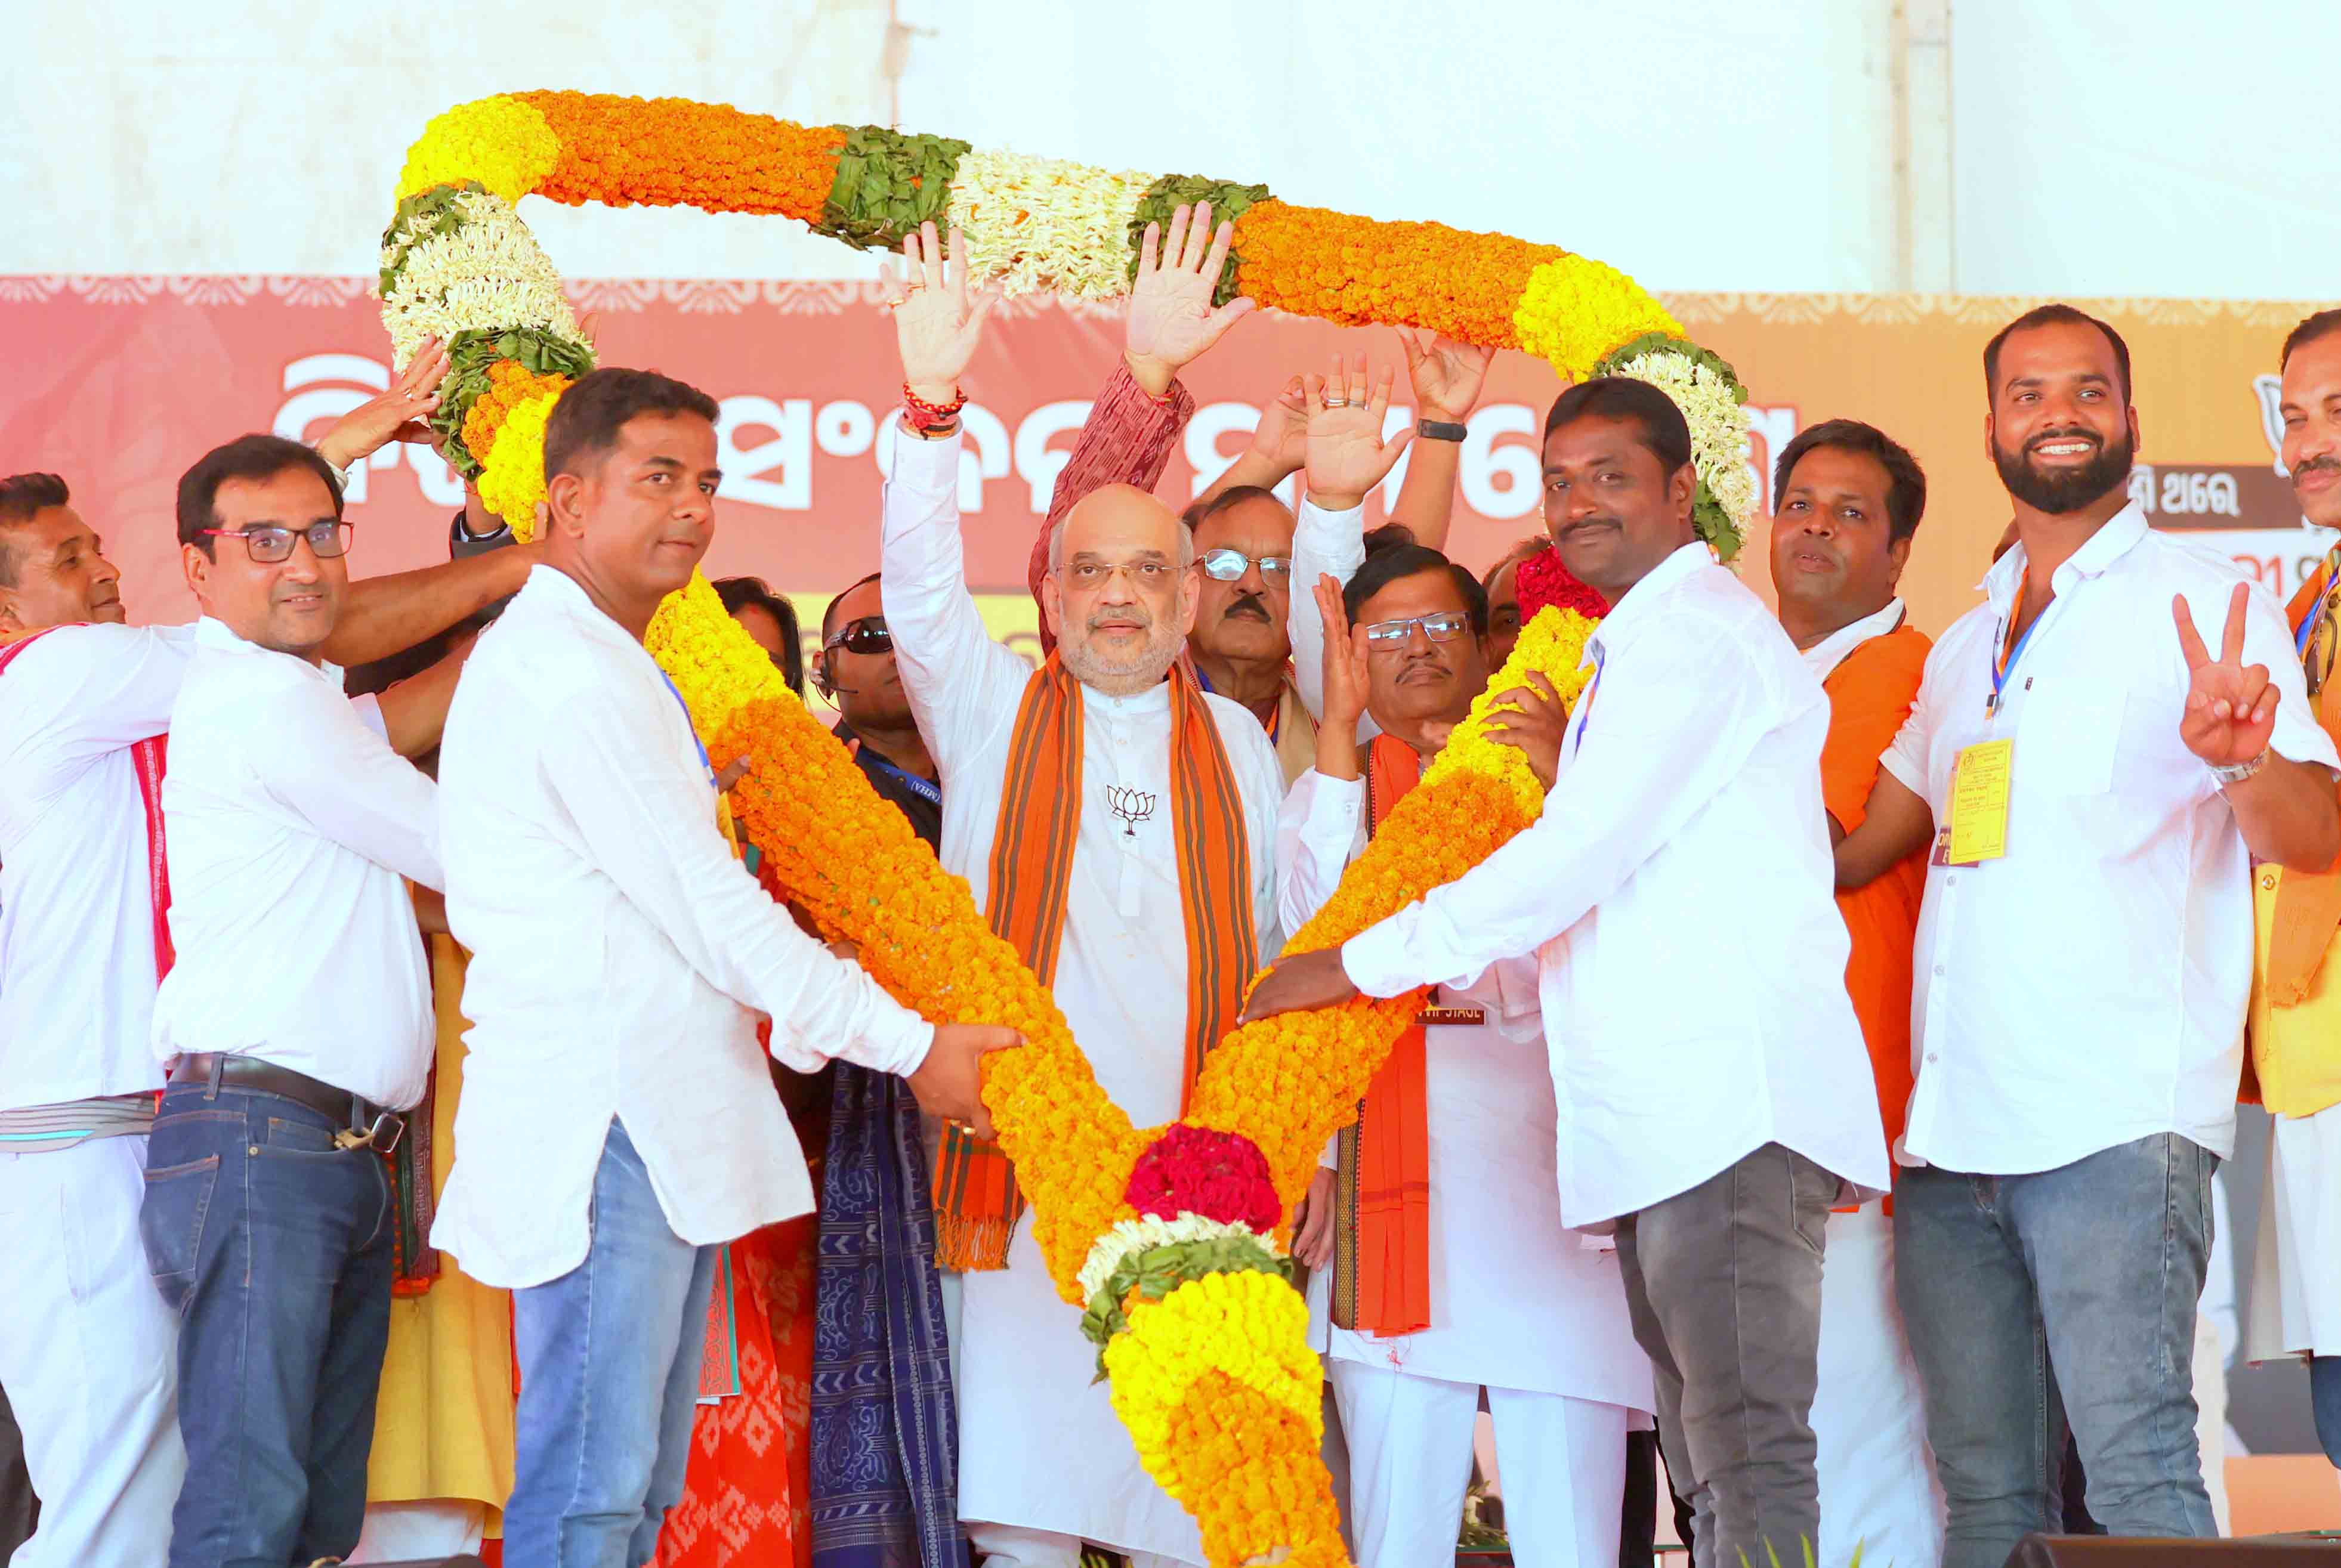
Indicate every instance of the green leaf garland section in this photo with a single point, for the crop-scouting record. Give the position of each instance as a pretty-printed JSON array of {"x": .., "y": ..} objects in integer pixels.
[
  {"x": 470, "y": 354},
  {"x": 1171, "y": 192},
  {"x": 1155, "y": 1272},
  {"x": 424, "y": 216},
  {"x": 887, "y": 184}
]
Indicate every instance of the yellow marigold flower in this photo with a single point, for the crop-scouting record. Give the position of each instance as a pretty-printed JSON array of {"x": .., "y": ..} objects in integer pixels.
[
  {"x": 500, "y": 142},
  {"x": 512, "y": 481},
  {"x": 1575, "y": 309}
]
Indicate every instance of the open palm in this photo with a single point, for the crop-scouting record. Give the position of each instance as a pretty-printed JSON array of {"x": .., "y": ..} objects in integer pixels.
[
  {"x": 1347, "y": 454},
  {"x": 937, "y": 323},
  {"x": 1171, "y": 317}
]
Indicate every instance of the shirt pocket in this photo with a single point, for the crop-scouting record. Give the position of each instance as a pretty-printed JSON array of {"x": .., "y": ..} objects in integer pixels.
[{"x": 2068, "y": 740}]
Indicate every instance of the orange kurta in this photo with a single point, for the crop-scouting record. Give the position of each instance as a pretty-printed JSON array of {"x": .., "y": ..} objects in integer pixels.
[{"x": 1869, "y": 694}]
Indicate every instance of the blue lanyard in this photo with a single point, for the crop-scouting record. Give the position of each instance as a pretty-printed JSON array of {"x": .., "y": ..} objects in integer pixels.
[
  {"x": 705, "y": 761},
  {"x": 926, "y": 789},
  {"x": 1585, "y": 703},
  {"x": 2004, "y": 664}
]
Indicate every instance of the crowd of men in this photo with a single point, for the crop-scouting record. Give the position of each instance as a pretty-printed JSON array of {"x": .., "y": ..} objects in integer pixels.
[{"x": 1824, "y": 1092}]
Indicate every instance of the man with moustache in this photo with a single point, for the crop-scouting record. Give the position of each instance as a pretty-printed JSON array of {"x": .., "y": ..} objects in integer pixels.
[
  {"x": 1117, "y": 824},
  {"x": 618, "y": 1126},
  {"x": 84, "y": 700},
  {"x": 296, "y": 1020},
  {"x": 1714, "y": 1099},
  {"x": 1451, "y": 1276},
  {"x": 1850, "y": 499},
  {"x": 2084, "y": 959},
  {"x": 2297, "y": 1299},
  {"x": 1244, "y": 541}
]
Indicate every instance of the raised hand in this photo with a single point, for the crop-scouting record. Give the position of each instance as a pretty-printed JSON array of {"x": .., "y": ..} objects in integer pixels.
[
  {"x": 937, "y": 322},
  {"x": 1345, "y": 453},
  {"x": 400, "y": 413},
  {"x": 1346, "y": 681},
  {"x": 1533, "y": 726},
  {"x": 2230, "y": 709},
  {"x": 1280, "y": 442},
  {"x": 1447, "y": 375},
  {"x": 1171, "y": 317}
]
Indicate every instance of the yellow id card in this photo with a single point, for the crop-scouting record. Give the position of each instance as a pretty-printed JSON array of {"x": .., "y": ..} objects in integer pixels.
[{"x": 1980, "y": 802}]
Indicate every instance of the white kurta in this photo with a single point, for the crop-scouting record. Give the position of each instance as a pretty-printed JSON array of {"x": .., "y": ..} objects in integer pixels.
[
  {"x": 1040, "y": 1444},
  {"x": 2295, "y": 1297},
  {"x": 1517, "y": 1301}
]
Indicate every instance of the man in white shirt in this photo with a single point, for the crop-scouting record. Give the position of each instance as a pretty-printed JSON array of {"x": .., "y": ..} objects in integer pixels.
[
  {"x": 86, "y": 1347},
  {"x": 1713, "y": 1087},
  {"x": 294, "y": 1022},
  {"x": 2084, "y": 959},
  {"x": 1483, "y": 1290},
  {"x": 618, "y": 1124},
  {"x": 1044, "y": 1463}
]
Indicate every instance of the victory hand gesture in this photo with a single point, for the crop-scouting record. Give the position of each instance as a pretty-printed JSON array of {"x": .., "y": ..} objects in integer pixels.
[
  {"x": 1171, "y": 318},
  {"x": 2230, "y": 705},
  {"x": 1447, "y": 375},
  {"x": 937, "y": 323},
  {"x": 1345, "y": 453}
]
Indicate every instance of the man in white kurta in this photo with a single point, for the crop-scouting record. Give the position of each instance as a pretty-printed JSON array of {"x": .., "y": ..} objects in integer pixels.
[
  {"x": 1044, "y": 1463},
  {"x": 1530, "y": 1312}
]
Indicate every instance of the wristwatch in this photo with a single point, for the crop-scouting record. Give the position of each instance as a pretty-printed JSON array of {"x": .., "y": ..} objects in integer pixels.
[
  {"x": 2228, "y": 773},
  {"x": 1440, "y": 430}
]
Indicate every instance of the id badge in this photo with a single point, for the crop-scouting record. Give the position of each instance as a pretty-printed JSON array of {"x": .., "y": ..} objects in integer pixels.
[{"x": 1979, "y": 787}]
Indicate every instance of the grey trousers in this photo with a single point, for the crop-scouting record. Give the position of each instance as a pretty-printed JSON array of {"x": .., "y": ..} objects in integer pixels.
[
  {"x": 1724, "y": 1285},
  {"x": 18, "y": 1508}
]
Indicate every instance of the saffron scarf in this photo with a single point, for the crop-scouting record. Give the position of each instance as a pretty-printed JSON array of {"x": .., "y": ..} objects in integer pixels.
[
  {"x": 976, "y": 1200},
  {"x": 148, "y": 758},
  {"x": 2309, "y": 906},
  {"x": 1381, "y": 1242}
]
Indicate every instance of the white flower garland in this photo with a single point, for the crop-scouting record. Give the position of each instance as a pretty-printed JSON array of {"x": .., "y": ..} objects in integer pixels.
[
  {"x": 1044, "y": 224},
  {"x": 1717, "y": 418},
  {"x": 1146, "y": 1232},
  {"x": 487, "y": 274}
]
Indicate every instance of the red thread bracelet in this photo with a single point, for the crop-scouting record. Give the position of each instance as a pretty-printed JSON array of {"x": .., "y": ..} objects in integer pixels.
[{"x": 923, "y": 415}]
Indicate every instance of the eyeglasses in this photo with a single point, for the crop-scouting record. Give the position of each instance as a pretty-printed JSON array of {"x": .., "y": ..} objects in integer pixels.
[
  {"x": 1228, "y": 565},
  {"x": 867, "y": 635},
  {"x": 1445, "y": 627},
  {"x": 269, "y": 543}
]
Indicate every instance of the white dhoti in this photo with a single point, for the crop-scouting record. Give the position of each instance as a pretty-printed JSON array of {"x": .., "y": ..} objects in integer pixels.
[
  {"x": 1563, "y": 1463},
  {"x": 2296, "y": 1296},
  {"x": 89, "y": 1356},
  {"x": 420, "y": 1531},
  {"x": 1877, "y": 1487}
]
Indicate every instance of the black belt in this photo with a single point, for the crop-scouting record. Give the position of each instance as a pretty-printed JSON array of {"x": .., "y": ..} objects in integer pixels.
[{"x": 366, "y": 1122}]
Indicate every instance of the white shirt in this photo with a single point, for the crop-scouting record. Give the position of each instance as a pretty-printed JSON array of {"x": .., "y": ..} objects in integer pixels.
[
  {"x": 76, "y": 905},
  {"x": 1823, "y": 657},
  {"x": 1679, "y": 891},
  {"x": 1040, "y": 1447},
  {"x": 619, "y": 954},
  {"x": 1516, "y": 1300},
  {"x": 292, "y": 828},
  {"x": 2089, "y": 988},
  {"x": 1323, "y": 542}
]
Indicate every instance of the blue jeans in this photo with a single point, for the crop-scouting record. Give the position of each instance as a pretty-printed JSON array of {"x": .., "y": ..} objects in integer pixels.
[
  {"x": 274, "y": 1250},
  {"x": 609, "y": 1381},
  {"x": 2064, "y": 1294},
  {"x": 2325, "y": 1402}
]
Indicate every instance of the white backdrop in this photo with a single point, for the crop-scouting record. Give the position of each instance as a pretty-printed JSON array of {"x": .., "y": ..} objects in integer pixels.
[{"x": 2093, "y": 147}]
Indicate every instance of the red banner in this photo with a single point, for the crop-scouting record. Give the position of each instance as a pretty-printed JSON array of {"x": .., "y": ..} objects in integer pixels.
[{"x": 119, "y": 382}]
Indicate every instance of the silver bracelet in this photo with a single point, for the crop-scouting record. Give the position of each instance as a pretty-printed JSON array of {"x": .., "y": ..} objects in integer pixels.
[{"x": 2228, "y": 773}]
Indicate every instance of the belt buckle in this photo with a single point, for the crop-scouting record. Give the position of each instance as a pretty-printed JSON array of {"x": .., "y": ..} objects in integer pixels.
[{"x": 382, "y": 1135}]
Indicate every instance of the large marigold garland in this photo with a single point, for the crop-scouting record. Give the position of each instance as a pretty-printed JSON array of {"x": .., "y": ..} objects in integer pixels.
[{"x": 1171, "y": 1239}]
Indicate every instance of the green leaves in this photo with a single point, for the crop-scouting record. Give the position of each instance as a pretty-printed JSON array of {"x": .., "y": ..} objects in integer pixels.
[
  {"x": 1171, "y": 192},
  {"x": 469, "y": 356},
  {"x": 887, "y": 184},
  {"x": 1157, "y": 1271},
  {"x": 424, "y": 216}
]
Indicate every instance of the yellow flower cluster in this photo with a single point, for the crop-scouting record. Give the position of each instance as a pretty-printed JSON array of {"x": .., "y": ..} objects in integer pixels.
[
  {"x": 499, "y": 143},
  {"x": 511, "y": 476},
  {"x": 1223, "y": 1400},
  {"x": 1289, "y": 1082},
  {"x": 1576, "y": 310}
]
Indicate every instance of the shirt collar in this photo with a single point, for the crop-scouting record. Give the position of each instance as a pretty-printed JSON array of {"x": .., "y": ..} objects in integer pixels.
[
  {"x": 2119, "y": 534},
  {"x": 1641, "y": 599},
  {"x": 1155, "y": 698},
  {"x": 1823, "y": 657},
  {"x": 215, "y": 635}
]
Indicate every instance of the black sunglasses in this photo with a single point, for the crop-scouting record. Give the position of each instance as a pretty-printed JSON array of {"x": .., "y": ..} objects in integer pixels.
[{"x": 866, "y": 635}]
